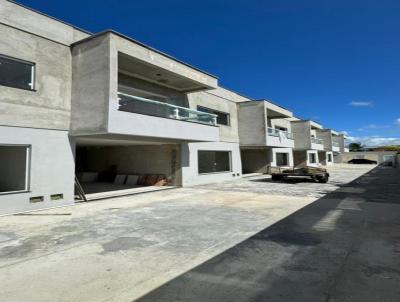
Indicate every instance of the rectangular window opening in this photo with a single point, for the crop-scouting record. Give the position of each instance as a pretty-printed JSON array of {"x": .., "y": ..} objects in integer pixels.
[
  {"x": 222, "y": 117},
  {"x": 312, "y": 157},
  {"x": 214, "y": 161},
  {"x": 17, "y": 73},
  {"x": 14, "y": 172},
  {"x": 282, "y": 159},
  {"x": 36, "y": 199},
  {"x": 330, "y": 158}
]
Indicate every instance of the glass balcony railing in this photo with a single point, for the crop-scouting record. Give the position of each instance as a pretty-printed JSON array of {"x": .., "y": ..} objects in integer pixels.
[
  {"x": 335, "y": 144},
  {"x": 135, "y": 104},
  {"x": 315, "y": 140},
  {"x": 280, "y": 133}
]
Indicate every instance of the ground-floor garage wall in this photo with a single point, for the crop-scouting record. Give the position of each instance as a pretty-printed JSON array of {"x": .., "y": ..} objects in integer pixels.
[
  {"x": 50, "y": 169},
  {"x": 256, "y": 160},
  {"x": 190, "y": 168},
  {"x": 288, "y": 151},
  {"x": 302, "y": 158},
  {"x": 323, "y": 158},
  {"x": 146, "y": 159}
]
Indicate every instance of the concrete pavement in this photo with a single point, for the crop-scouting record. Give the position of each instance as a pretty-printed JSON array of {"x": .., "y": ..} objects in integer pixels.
[{"x": 245, "y": 240}]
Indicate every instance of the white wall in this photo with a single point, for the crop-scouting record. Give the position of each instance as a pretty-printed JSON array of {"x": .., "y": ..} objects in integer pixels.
[
  {"x": 52, "y": 168},
  {"x": 190, "y": 173},
  {"x": 282, "y": 150}
]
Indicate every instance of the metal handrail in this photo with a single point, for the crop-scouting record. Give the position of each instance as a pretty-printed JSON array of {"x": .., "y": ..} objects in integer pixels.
[
  {"x": 177, "y": 110},
  {"x": 335, "y": 144},
  {"x": 277, "y": 132}
]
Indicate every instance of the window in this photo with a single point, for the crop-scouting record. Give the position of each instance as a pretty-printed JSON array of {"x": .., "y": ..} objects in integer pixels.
[
  {"x": 16, "y": 73},
  {"x": 329, "y": 157},
  {"x": 222, "y": 117},
  {"x": 282, "y": 159},
  {"x": 14, "y": 172},
  {"x": 214, "y": 161},
  {"x": 281, "y": 128},
  {"x": 312, "y": 158}
]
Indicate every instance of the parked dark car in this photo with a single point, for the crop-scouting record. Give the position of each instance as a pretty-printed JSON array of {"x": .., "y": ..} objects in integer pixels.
[{"x": 359, "y": 161}]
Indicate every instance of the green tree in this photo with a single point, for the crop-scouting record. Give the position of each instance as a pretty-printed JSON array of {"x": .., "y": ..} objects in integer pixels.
[{"x": 353, "y": 147}]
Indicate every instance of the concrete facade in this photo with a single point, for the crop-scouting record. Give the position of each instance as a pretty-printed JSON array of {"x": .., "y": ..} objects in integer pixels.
[
  {"x": 378, "y": 156},
  {"x": 77, "y": 101}
]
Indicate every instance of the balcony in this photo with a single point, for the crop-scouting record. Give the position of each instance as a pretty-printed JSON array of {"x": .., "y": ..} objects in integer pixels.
[
  {"x": 135, "y": 104},
  {"x": 317, "y": 143},
  {"x": 279, "y": 138},
  {"x": 335, "y": 147}
]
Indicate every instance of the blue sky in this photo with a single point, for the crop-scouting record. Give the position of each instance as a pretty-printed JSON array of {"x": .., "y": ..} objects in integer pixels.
[{"x": 336, "y": 62}]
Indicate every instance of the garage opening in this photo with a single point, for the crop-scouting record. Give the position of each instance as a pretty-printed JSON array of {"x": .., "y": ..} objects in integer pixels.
[
  {"x": 109, "y": 171},
  {"x": 14, "y": 172}
]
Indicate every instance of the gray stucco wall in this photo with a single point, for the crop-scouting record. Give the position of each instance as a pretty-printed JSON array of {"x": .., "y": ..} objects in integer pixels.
[
  {"x": 51, "y": 168},
  {"x": 371, "y": 155},
  {"x": 90, "y": 86},
  {"x": 190, "y": 172},
  {"x": 256, "y": 160},
  {"x": 210, "y": 100},
  {"x": 302, "y": 135},
  {"x": 252, "y": 123},
  {"x": 326, "y": 135},
  {"x": 48, "y": 106},
  {"x": 20, "y": 17}
]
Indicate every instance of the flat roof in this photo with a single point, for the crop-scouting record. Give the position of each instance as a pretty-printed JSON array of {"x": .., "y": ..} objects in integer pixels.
[
  {"x": 111, "y": 31},
  {"x": 51, "y": 17}
]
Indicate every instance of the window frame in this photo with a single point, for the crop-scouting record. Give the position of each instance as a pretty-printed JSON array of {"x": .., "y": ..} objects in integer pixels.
[
  {"x": 214, "y": 111},
  {"x": 216, "y": 172},
  {"x": 32, "y": 84},
  {"x": 287, "y": 159},
  {"x": 314, "y": 156},
  {"x": 329, "y": 158},
  {"x": 28, "y": 166}
]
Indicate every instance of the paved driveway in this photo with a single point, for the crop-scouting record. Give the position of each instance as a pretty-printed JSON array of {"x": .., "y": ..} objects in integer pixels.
[{"x": 125, "y": 248}]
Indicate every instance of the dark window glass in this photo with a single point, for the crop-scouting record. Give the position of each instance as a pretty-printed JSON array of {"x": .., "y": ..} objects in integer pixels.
[
  {"x": 282, "y": 159},
  {"x": 14, "y": 168},
  {"x": 222, "y": 117},
  {"x": 214, "y": 161},
  {"x": 15, "y": 73},
  {"x": 312, "y": 158},
  {"x": 329, "y": 157}
]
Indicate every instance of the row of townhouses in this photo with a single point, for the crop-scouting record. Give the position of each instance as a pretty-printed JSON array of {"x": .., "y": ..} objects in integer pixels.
[{"x": 77, "y": 107}]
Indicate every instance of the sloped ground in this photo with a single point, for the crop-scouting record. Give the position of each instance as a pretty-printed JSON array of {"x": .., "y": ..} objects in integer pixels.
[{"x": 243, "y": 240}]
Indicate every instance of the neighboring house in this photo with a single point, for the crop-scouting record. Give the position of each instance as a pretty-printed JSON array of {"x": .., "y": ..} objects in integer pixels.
[
  {"x": 333, "y": 143},
  {"x": 265, "y": 136},
  {"x": 309, "y": 145}
]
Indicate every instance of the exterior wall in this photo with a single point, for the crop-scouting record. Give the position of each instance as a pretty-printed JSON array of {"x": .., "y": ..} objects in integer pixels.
[
  {"x": 302, "y": 135},
  {"x": 213, "y": 101},
  {"x": 323, "y": 156},
  {"x": 252, "y": 124},
  {"x": 190, "y": 173},
  {"x": 18, "y": 16},
  {"x": 371, "y": 155},
  {"x": 301, "y": 158},
  {"x": 398, "y": 161},
  {"x": 51, "y": 168},
  {"x": 48, "y": 106},
  {"x": 154, "y": 159},
  {"x": 282, "y": 150},
  {"x": 256, "y": 160},
  {"x": 327, "y": 137}
]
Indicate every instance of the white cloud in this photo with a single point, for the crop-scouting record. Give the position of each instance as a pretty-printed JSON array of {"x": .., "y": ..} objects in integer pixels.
[
  {"x": 397, "y": 121},
  {"x": 372, "y": 126},
  {"x": 373, "y": 141},
  {"x": 361, "y": 104}
]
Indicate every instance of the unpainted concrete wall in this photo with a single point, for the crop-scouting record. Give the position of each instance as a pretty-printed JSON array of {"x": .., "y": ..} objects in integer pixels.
[
  {"x": 154, "y": 159},
  {"x": 50, "y": 104},
  {"x": 211, "y": 100},
  {"x": 302, "y": 134},
  {"x": 51, "y": 168},
  {"x": 326, "y": 135},
  {"x": 301, "y": 158},
  {"x": 371, "y": 155},
  {"x": 252, "y": 123},
  {"x": 256, "y": 160},
  {"x": 23, "y": 18},
  {"x": 190, "y": 172}
]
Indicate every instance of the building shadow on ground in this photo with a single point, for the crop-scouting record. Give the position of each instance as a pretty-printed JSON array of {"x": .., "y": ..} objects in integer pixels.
[{"x": 343, "y": 247}]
